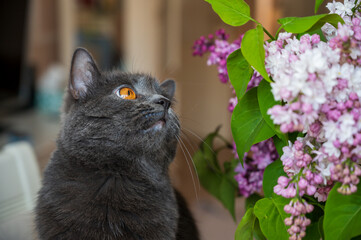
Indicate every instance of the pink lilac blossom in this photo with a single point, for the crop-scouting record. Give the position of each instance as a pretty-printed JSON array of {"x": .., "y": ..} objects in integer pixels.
[
  {"x": 298, "y": 220},
  {"x": 249, "y": 176},
  {"x": 320, "y": 86}
]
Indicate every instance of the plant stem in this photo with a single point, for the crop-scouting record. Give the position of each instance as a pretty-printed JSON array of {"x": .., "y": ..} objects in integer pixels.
[
  {"x": 221, "y": 148},
  {"x": 229, "y": 145},
  {"x": 355, "y": 8},
  {"x": 265, "y": 30},
  {"x": 278, "y": 31}
]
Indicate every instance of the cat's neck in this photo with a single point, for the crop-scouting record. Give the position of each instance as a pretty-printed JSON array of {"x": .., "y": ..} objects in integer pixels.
[{"x": 148, "y": 167}]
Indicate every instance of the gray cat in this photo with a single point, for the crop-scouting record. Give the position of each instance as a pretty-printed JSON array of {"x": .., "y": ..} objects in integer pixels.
[{"x": 108, "y": 178}]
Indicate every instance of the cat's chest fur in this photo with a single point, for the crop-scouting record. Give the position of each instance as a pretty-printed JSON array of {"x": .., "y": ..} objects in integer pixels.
[{"x": 101, "y": 206}]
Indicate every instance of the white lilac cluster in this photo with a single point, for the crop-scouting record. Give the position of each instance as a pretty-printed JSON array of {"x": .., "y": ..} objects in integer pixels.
[
  {"x": 346, "y": 10},
  {"x": 319, "y": 84}
]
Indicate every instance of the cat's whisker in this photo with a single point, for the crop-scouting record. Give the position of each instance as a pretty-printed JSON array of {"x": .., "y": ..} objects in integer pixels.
[
  {"x": 190, "y": 156},
  {"x": 194, "y": 134},
  {"x": 189, "y": 119},
  {"x": 190, "y": 143},
  {"x": 189, "y": 167}
]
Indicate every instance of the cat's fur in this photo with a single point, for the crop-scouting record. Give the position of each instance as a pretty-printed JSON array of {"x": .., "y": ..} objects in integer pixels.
[{"x": 108, "y": 178}]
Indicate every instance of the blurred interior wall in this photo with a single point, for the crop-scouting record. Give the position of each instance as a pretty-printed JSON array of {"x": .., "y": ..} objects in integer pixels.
[
  {"x": 43, "y": 35},
  {"x": 143, "y": 24},
  {"x": 66, "y": 29}
]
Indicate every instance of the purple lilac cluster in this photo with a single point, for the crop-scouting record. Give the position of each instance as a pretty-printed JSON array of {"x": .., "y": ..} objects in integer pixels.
[
  {"x": 320, "y": 84},
  {"x": 219, "y": 49},
  {"x": 250, "y": 176}
]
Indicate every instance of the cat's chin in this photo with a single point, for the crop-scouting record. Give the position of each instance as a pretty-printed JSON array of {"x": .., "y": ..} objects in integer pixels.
[{"x": 159, "y": 125}]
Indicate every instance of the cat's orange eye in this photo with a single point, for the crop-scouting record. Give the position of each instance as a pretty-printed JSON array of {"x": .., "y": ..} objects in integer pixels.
[{"x": 126, "y": 93}]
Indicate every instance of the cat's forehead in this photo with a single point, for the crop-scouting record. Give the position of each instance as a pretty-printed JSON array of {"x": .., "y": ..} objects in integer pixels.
[
  {"x": 145, "y": 82},
  {"x": 140, "y": 82}
]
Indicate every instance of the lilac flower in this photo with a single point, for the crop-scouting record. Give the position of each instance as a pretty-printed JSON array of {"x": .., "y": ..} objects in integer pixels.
[
  {"x": 298, "y": 220},
  {"x": 249, "y": 177},
  {"x": 320, "y": 86},
  {"x": 219, "y": 49}
]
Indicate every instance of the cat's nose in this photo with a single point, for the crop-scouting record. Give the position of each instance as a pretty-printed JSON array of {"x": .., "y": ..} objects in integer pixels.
[{"x": 164, "y": 102}]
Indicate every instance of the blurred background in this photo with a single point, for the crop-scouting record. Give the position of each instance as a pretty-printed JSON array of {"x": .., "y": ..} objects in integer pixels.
[{"x": 38, "y": 38}]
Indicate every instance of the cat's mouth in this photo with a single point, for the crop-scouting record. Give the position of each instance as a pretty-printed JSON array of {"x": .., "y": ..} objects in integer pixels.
[{"x": 157, "y": 120}]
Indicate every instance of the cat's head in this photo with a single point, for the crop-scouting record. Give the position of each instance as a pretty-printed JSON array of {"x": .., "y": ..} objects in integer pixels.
[{"x": 116, "y": 112}]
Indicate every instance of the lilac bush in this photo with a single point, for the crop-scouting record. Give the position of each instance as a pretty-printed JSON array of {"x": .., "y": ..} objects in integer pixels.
[{"x": 296, "y": 122}]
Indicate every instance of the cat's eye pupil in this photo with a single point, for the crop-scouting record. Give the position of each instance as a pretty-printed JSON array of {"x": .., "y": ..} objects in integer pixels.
[{"x": 126, "y": 93}]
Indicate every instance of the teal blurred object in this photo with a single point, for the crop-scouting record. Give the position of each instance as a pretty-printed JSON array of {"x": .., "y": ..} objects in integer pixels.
[
  {"x": 49, "y": 103},
  {"x": 50, "y": 91}
]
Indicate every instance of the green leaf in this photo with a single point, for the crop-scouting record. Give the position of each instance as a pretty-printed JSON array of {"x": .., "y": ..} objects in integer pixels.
[
  {"x": 249, "y": 227},
  {"x": 227, "y": 195},
  {"x": 342, "y": 214},
  {"x": 309, "y": 23},
  {"x": 270, "y": 177},
  {"x": 229, "y": 170},
  {"x": 239, "y": 72},
  {"x": 318, "y": 4},
  {"x": 215, "y": 183},
  {"x": 220, "y": 184},
  {"x": 251, "y": 200},
  {"x": 253, "y": 50},
  {"x": 267, "y": 101},
  {"x": 271, "y": 216},
  {"x": 248, "y": 125},
  {"x": 209, "y": 178},
  {"x": 312, "y": 232},
  {"x": 232, "y": 12},
  {"x": 245, "y": 229},
  {"x": 208, "y": 152},
  {"x": 258, "y": 235},
  {"x": 279, "y": 144},
  {"x": 320, "y": 227}
]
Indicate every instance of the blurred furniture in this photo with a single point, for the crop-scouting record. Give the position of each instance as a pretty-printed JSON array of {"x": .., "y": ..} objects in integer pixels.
[{"x": 19, "y": 184}]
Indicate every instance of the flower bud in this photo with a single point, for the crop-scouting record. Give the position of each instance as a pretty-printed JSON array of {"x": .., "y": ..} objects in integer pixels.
[
  {"x": 302, "y": 234},
  {"x": 311, "y": 190},
  {"x": 283, "y": 181},
  {"x": 302, "y": 183},
  {"x": 317, "y": 179},
  {"x": 353, "y": 188},
  {"x": 288, "y": 221},
  {"x": 295, "y": 229},
  {"x": 287, "y": 208}
]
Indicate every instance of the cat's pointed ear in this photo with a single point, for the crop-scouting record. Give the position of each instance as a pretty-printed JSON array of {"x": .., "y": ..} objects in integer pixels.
[
  {"x": 168, "y": 88},
  {"x": 83, "y": 72}
]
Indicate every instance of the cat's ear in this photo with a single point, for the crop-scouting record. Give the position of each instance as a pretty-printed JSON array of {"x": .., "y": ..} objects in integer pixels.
[
  {"x": 83, "y": 72},
  {"x": 168, "y": 88}
]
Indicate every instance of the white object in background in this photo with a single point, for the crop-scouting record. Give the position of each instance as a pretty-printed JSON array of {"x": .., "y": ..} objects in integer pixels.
[{"x": 19, "y": 184}]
